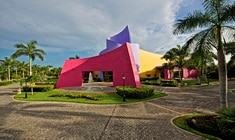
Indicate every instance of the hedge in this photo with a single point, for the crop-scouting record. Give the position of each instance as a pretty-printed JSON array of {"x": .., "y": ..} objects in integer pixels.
[
  {"x": 135, "y": 93},
  {"x": 6, "y": 83},
  {"x": 38, "y": 88},
  {"x": 44, "y": 83},
  {"x": 171, "y": 83}
]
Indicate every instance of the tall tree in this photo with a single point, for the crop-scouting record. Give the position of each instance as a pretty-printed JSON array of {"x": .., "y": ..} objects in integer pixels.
[
  {"x": 31, "y": 51},
  {"x": 214, "y": 21},
  {"x": 169, "y": 57},
  {"x": 8, "y": 62},
  {"x": 23, "y": 66},
  {"x": 180, "y": 55},
  {"x": 201, "y": 56}
]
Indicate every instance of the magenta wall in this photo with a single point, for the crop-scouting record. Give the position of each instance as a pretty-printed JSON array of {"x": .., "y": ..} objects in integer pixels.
[
  {"x": 186, "y": 73},
  {"x": 120, "y": 61}
]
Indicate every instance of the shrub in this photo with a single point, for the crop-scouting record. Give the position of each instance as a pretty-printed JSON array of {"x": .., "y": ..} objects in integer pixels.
[
  {"x": 44, "y": 83},
  {"x": 206, "y": 124},
  {"x": 136, "y": 93},
  {"x": 150, "y": 82},
  {"x": 227, "y": 128},
  {"x": 38, "y": 88},
  {"x": 6, "y": 83},
  {"x": 76, "y": 96},
  {"x": 171, "y": 83},
  {"x": 228, "y": 113},
  {"x": 214, "y": 125}
]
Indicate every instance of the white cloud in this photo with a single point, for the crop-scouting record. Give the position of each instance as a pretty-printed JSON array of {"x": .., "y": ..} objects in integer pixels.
[{"x": 60, "y": 25}]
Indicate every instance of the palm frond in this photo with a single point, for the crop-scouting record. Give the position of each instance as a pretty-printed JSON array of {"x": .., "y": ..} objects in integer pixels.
[
  {"x": 228, "y": 13},
  {"x": 191, "y": 22},
  {"x": 230, "y": 48}
]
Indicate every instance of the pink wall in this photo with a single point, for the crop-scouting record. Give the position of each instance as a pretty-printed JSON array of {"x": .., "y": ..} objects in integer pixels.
[
  {"x": 120, "y": 61},
  {"x": 186, "y": 73}
]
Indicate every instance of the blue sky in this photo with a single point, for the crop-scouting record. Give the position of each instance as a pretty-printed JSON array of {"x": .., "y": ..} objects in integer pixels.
[{"x": 64, "y": 28}]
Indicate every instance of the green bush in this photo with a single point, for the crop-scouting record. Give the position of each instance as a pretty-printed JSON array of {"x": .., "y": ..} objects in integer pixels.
[
  {"x": 150, "y": 82},
  {"x": 38, "y": 88},
  {"x": 135, "y": 93},
  {"x": 6, "y": 83},
  {"x": 206, "y": 124},
  {"x": 76, "y": 96},
  {"x": 44, "y": 83},
  {"x": 227, "y": 128},
  {"x": 170, "y": 83},
  {"x": 214, "y": 125},
  {"x": 228, "y": 113}
]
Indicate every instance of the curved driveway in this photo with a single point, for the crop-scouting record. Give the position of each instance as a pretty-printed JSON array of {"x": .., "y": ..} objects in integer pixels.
[{"x": 141, "y": 121}]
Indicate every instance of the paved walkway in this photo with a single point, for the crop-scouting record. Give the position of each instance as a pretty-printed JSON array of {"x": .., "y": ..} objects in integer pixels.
[{"x": 139, "y": 121}]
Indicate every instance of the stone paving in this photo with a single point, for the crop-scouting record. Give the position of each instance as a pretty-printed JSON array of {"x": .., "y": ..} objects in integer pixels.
[{"x": 149, "y": 120}]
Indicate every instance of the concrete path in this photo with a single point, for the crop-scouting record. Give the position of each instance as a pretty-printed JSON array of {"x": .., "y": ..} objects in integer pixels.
[{"x": 139, "y": 121}]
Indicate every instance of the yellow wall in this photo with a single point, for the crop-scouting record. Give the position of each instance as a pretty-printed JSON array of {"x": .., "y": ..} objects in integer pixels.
[{"x": 148, "y": 63}]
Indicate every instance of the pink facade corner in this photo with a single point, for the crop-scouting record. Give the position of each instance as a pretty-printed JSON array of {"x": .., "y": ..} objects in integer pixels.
[{"x": 120, "y": 61}]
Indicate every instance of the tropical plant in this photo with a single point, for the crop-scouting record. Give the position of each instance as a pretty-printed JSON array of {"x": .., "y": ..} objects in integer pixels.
[
  {"x": 76, "y": 57},
  {"x": 169, "y": 57},
  {"x": 23, "y": 67},
  {"x": 215, "y": 23},
  {"x": 230, "y": 49},
  {"x": 16, "y": 66},
  {"x": 177, "y": 58},
  {"x": 31, "y": 51},
  {"x": 8, "y": 62},
  {"x": 199, "y": 60},
  {"x": 55, "y": 72}
]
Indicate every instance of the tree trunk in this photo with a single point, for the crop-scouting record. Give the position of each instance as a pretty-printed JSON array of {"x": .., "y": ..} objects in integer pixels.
[
  {"x": 23, "y": 74},
  {"x": 181, "y": 76},
  {"x": 171, "y": 74},
  {"x": 30, "y": 66},
  {"x": 31, "y": 90},
  {"x": 223, "y": 85},
  {"x": 222, "y": 79},
  {"x": 9, "y": 73}
]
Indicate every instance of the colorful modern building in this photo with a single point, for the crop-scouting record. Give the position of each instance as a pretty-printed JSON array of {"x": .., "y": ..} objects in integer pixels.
[{"x": 121, "y": 61}]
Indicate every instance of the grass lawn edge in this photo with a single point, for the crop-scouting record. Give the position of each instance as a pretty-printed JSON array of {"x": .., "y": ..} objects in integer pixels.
[
  {"x": 115, "y": 100},
  {"x": 179, "y": 122}
]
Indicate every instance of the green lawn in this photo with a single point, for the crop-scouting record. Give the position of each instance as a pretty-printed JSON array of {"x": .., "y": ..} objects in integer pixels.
[
  {"x": 208, "y": 126},
  {"x": 181, "y": 123},
  {"x": 104, "y": 98},
  {"x": 193, "y": 82}
]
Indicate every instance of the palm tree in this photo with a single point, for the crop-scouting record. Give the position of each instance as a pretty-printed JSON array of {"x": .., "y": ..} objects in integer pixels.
[
  {"x": 8, "y": 62},
  {"x": 23, "y": 67},
  {"x": 201, "y": 56},
  {"x": 31, "y": 51},
  {"x": 214, "y": 21},
  {"x": 199, "y": 60},
  {"x": 76, "y": 57},
  {"x": 180, "y": 54},
  {"x": 169, "y": 56},
  {"x": 230, "y": 49},
  {"x": 16, "y": 65}
]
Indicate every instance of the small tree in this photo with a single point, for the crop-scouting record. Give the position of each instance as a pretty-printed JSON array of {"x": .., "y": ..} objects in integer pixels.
[{"x": 8, "y": 62}]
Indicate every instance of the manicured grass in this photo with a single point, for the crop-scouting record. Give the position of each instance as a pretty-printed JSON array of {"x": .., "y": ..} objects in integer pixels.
[
  {"x": 105, "y": 98},
  {"x": 182, "y": 123},
  {"x": 193, "y": 82}
]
